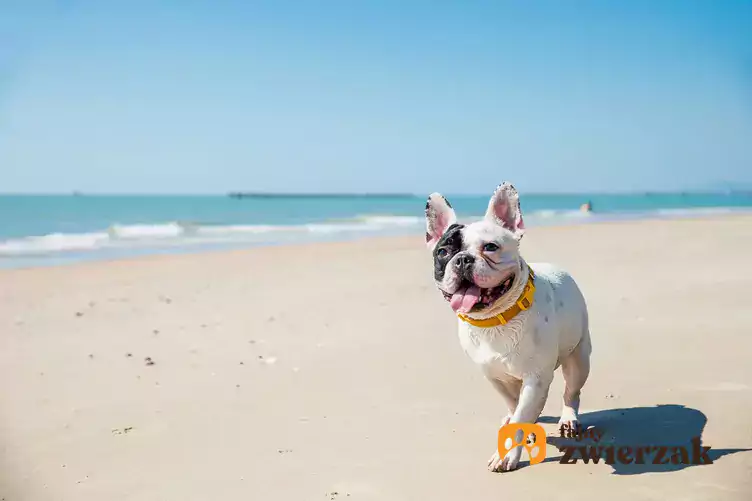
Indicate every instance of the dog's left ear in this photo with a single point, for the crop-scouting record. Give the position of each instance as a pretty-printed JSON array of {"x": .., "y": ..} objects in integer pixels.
[
  {"x": 504, "y": 210},
  {"x": 439, "y": 216}
]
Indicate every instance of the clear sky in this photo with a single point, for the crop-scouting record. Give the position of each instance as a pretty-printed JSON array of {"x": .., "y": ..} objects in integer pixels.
[{"x": 189, "y": 96}]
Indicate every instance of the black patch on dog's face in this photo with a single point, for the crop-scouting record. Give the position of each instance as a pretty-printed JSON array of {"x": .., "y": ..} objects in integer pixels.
[{"x": 449, "y": 245}]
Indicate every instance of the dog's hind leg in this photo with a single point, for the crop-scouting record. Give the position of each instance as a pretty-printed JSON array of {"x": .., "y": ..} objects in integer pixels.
[{"x": 575, "y": 368}]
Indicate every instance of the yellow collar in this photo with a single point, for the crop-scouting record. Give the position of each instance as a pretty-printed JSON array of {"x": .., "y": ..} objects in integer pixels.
[{"x": 524, "y": 302}]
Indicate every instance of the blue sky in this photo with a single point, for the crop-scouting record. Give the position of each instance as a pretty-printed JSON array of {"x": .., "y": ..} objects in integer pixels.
[{"x": 199, "y": 96}]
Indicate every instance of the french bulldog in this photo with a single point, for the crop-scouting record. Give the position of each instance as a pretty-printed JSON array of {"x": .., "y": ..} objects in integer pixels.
[{"x": 481, "y": 274}]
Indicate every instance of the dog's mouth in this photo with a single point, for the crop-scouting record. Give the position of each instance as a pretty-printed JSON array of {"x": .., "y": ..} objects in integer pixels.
[{"x": 469, "y": 297}]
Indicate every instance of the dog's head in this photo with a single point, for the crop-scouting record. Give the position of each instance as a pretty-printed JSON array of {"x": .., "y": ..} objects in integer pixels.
[{"x": 475, "y": 266}]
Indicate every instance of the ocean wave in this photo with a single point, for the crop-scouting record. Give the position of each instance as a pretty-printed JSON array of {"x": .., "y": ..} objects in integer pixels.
[
  {"x": 228, "y": 230},
  {"x": 55, "y": 242},
  {"x": 339, "y": 228},
  {"x": 696, "y": 211},
  {"x": 389, "y": 220},
  {"x": 186, "y": 234},
  {"x": 365, "y": 222},
  {"x": 554, "y": 214},
  {"x": 141, "y": 231}
]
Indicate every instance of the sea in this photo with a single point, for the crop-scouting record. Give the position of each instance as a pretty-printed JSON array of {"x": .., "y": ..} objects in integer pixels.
[{"x": 43, "y": 230}]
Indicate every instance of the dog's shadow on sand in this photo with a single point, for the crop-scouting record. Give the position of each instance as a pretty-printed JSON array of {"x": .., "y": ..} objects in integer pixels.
[{"x": 664, "y": 425}]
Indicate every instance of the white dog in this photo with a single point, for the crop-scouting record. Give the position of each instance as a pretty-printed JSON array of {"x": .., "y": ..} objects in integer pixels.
[{"x": 518, "y": 322}]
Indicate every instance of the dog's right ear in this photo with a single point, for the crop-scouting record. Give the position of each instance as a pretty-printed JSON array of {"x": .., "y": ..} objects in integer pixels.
[
  {"x": 439, "y": 216},
  {"x": 504, "y": 210}
]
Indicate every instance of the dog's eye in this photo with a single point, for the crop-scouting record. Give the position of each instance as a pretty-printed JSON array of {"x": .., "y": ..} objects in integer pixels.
[
  {"x": 441, "y": 252},
  {"x": 490, "y": 247}
]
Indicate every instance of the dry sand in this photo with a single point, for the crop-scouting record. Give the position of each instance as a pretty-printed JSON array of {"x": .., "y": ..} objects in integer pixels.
[{"x": 333, "y": 371}]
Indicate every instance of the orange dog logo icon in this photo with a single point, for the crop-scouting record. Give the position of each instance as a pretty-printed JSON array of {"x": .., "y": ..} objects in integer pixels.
[{"x": 530, "y": 436}]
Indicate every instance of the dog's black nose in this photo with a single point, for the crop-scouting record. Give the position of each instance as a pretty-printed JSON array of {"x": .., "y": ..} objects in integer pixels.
[
  {"x": 464, "y": 265},
  {"x": 465, "y": 260}
]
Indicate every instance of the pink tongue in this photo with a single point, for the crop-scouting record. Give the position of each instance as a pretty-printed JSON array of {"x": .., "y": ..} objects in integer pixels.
[{"x": 464, "y": 299}]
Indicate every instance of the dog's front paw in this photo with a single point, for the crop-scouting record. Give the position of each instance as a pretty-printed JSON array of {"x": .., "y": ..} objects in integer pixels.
[
  {"x": 508, "y": 462},
  {"x": 569, "y": 424},
  {"x": 495, "y": 462}
]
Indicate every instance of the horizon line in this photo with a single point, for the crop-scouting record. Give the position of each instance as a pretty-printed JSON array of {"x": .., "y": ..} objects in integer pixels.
[{"x": 271, "y": 194}]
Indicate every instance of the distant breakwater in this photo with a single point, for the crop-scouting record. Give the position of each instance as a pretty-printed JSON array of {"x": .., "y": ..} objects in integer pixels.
[{"x": 240, "y": 194}]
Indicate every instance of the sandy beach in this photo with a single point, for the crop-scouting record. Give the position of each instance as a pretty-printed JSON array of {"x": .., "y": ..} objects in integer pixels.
[{"x": 333, "y": 371}]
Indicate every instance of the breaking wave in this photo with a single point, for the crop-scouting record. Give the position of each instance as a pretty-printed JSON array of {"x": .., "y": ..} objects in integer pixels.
[{"x": 186, "y": 234}]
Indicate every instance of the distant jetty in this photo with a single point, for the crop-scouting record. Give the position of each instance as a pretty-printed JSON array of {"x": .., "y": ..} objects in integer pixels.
[{"x": 241, "y": 194}]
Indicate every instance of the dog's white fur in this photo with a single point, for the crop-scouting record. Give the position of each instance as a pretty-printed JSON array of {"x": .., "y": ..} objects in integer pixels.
[{"x": 518, "y": 358}]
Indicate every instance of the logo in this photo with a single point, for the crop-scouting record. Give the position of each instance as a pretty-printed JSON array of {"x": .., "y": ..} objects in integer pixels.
[
  {"x": 533, "y": 438},
  {"x": 530, "y": 436},
  {"x": 635, "y": 454}
]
